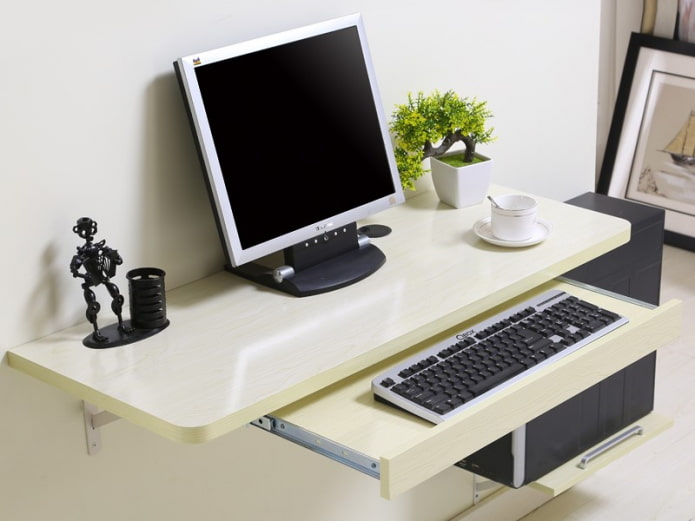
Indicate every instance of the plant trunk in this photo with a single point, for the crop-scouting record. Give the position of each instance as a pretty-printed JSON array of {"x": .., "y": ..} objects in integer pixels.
[
  {"x": 470, "y": 149},
  {"x": 449, "y": 140}
]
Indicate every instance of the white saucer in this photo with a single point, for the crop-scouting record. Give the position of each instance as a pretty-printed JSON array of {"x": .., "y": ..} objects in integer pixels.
[{"x": 483, "y": 229}]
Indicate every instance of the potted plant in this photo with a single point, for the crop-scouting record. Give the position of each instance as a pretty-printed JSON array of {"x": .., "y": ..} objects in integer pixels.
[{"x": 427, "y": 127}]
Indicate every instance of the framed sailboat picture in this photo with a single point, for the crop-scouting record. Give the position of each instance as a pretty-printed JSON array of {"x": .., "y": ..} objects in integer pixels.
[{"x": 650, "y": 152}]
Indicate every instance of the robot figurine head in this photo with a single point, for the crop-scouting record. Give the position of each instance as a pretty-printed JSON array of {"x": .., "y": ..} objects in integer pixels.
[{"x": 85, "y": 228}]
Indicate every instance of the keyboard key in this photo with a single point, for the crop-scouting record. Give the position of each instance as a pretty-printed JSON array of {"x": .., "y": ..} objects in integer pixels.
[{"x": 489, "y": 383}]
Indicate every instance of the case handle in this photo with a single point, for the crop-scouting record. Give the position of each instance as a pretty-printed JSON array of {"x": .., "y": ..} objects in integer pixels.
[{"x": 637, "y": 429}]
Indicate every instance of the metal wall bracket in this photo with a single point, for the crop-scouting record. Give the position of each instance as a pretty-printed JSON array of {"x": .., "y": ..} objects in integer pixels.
[
  {"x": 319, "y": 444},
  {"x": 93, "y": 420},
  {"x": 480, "y": 485}
]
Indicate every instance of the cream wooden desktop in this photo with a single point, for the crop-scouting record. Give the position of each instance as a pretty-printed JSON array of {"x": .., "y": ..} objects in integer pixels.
[{"x": 236, "y": 353}]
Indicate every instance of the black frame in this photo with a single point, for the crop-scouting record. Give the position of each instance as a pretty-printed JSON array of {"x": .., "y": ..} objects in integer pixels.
[{"x": 648, "y": 58}]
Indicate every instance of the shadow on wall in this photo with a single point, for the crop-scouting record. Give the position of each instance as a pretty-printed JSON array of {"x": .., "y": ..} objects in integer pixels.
[
  {"x": 177, "y": 231},
  {"x": 44, "y": 311}
]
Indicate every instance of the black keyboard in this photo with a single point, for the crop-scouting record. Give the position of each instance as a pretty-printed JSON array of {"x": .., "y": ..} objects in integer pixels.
[{"x": 452, "y": 375}]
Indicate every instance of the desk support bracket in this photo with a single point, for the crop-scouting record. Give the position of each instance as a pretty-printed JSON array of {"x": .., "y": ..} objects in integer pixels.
[
  {"x": 93, "y": 420},
  {"x": 480, "y": 485},
  {"x": 319, "y": 444}
]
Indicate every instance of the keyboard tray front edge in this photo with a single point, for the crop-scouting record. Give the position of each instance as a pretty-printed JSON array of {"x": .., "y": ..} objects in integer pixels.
[{"x": 410, "y": 450}]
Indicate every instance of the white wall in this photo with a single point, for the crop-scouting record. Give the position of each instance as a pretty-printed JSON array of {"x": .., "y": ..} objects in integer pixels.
[{"x": 91, "y": 123}]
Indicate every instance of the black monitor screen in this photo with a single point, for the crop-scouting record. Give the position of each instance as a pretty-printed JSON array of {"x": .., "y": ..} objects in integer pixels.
[{"x": 296, "y": 132}]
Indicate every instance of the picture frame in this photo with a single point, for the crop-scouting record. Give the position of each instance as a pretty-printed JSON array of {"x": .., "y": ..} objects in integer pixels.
[{"x": 649, "y": 156}]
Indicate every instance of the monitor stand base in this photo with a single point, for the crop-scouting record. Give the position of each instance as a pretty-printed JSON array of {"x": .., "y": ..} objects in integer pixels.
[{"x": 330, "y": 274}]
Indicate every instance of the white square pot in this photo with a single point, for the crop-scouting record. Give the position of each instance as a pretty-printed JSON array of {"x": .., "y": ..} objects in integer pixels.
[{"x": 461, "y": 186}]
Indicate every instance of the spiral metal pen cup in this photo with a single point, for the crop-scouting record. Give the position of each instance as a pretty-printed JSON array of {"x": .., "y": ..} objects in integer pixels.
[{"x": 148, "y": 308}]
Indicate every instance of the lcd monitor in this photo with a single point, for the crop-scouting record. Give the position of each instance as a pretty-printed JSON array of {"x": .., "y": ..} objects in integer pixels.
[{"x": 295, "y": 151}]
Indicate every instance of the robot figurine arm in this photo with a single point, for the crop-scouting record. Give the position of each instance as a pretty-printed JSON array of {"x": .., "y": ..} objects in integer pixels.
[
  {"x": 75, "y": 265},
  {"x": 113, "y": 255}
]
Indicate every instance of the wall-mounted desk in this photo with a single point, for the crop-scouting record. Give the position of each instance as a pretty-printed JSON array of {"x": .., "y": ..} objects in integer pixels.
[{"x": 235, "y": 352}]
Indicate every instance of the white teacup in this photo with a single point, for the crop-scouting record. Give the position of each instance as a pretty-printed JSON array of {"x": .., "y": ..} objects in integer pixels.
[{"x": 514, "y": 219}]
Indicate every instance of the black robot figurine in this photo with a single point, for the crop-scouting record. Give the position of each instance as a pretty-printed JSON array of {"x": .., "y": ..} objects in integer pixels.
[{"x": 98, "y": 263}]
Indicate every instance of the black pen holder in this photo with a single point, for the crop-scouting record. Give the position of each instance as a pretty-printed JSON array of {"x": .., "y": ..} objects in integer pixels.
[{"x": 148, "y": 307}]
